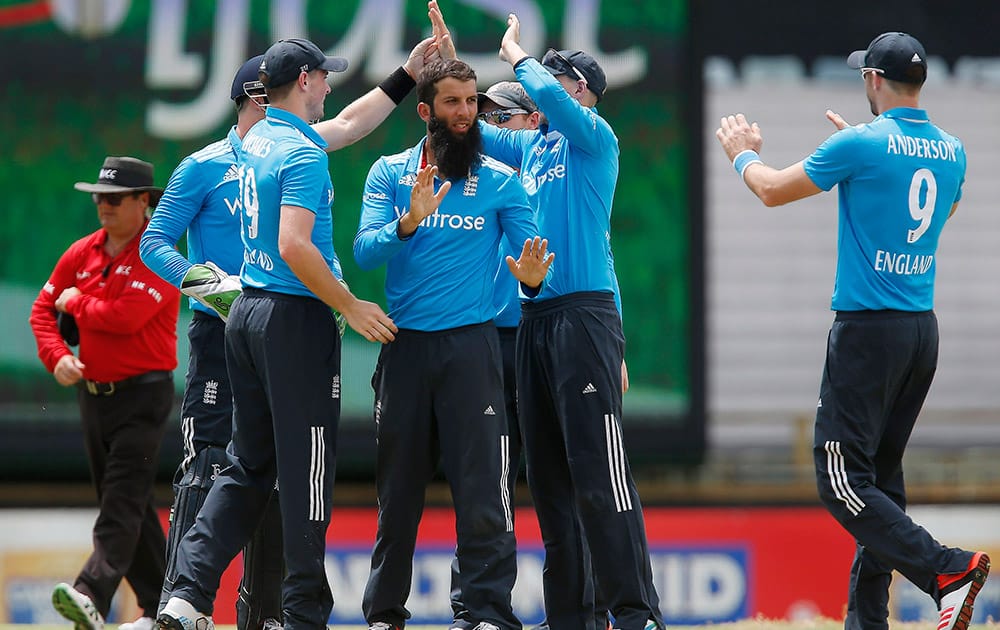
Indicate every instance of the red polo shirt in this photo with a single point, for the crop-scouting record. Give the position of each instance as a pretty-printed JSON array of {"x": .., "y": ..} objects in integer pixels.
[{"x": 127, "y": 315}]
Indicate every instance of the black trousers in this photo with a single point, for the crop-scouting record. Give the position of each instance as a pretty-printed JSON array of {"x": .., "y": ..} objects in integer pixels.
[
  {"x": 439, "y": 397},
  {"x": 508, "y": 339},
  {"x": 122, "y": 434},
  {"x": 879, "y": 368},
  {"x": 206, "y": 428},
  {"x": 569, "y": 357},
  {"x": 283, "y": 356}
]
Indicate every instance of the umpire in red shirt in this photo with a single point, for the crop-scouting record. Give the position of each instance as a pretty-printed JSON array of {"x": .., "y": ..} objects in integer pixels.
[{"x": 124, "y": 318}]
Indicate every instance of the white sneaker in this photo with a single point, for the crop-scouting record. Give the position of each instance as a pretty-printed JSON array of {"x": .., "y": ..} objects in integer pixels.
[
  {"x": 485, "y": 625},
  {"x": 77, "y": 607},
  {"x": 179, "y": 614},
  {"x": 381, "y": 625},
  {"x": 142, "y": 623}
]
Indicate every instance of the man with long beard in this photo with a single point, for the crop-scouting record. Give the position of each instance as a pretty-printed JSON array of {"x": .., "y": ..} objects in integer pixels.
[{"x": 439, "y": 385}]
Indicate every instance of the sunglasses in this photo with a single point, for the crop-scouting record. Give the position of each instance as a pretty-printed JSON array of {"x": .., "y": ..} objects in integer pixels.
[
  {"x": 500, "y": 116},
  {"x": 553, "y": 54},
  {"x": 865, "y": 71},
  {"x": 112, "y": 199}
]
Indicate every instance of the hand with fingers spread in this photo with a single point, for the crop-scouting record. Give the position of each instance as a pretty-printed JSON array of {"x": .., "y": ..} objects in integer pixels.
[
  {"x": 737, "y": 135},
  {"x": 533, "y": 263},
  {"x": 441, "y": 34},
  {"x": 423, "y": 200}
]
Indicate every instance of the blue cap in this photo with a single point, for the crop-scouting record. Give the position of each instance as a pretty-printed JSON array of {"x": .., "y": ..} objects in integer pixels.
[{"x": 246, "y": 74}]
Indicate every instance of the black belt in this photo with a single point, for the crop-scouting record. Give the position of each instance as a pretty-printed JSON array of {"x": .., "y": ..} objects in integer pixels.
[{"x": 96, "y": 388}]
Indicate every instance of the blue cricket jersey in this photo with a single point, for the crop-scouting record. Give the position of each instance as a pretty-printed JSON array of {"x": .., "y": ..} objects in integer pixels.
[
  {"x": 899, "y": 177},
  {"x": 201, "y": 198},
  {"x": 443, "y": 275},
  {"x": 506, "y": 296},
  {"x": 282, "y": 163},
  {"x": 569, "y": 169}
]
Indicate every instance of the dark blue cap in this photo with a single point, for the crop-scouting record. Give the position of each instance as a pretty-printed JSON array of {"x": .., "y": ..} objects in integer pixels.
[
  {"x": 286, "y": 59},
  {"x": 246, "y": 74},
  {"x": 896, "y": 56},
  {"x": 569, "y": 62}
]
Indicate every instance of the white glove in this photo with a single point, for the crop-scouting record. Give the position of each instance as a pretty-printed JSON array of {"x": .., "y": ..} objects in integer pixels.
[{"x": 212, "y": 286}]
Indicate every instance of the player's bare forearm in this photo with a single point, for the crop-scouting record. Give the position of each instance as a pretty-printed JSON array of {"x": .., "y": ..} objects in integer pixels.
[
  {"x": 355, "y": 121},
  {"x": 776, "y": 188},
  {"x": 742, "y": 142},
  {"x": 363, "y": 115}
]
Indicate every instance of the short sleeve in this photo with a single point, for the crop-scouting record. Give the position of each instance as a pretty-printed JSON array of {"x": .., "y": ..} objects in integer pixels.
[{"x": 835, "y": 160}]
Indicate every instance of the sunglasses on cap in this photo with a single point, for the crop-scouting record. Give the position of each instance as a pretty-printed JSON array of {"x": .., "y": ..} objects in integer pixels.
[
  {"x": 500, "y": 116},
  {"x": 112, "y": 199},
  {"x": 553, "y": 55}
]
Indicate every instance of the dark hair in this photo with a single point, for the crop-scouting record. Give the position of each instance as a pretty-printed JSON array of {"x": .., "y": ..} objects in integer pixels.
[
  {"x": 276, "y": 93},
  {"x": 441, "y": 69}
]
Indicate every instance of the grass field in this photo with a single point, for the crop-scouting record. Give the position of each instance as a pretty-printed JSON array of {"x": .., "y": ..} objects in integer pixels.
[{"x": 750, "y": 624}]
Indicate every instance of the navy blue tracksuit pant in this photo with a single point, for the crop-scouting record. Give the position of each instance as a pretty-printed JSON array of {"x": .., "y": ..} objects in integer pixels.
[
  {"x": 569, "y": 357},
  {"x": 206, "y": 428},
  {"x": 283, "y": 355},
  {"x": 439, "y": 396},
  {"x": 879, "y": 368}
]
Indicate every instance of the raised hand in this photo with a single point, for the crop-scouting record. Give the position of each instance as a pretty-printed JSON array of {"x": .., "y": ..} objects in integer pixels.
[
  {"x": 735, "y": 135},
  {"x": 423, "y": 201},
  {"x": 532, "y": 265},
  {"x": 422, "y": 54},
  {"x": 510, "y": 43},
  {"x": 442, "y": 36}
]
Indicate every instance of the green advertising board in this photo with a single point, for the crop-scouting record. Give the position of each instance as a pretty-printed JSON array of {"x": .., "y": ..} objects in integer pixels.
[{"x": 87, "y": 79}]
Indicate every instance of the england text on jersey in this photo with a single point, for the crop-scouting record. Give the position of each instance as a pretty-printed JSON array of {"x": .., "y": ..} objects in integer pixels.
[{"x": 902, "y": 264}]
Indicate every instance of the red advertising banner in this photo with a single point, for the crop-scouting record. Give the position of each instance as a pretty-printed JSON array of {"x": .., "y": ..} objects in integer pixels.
[{"x": 709, "y": 564}]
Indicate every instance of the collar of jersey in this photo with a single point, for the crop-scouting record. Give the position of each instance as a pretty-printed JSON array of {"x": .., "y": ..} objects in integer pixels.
[
  {"x": 909, "y": 113},
  {"x": 234, "y": 139},
  {"x": 280, "y": 116}
]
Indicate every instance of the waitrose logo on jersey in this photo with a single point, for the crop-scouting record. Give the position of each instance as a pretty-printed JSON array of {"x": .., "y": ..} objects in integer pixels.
[{"x": 450, "y": 221}]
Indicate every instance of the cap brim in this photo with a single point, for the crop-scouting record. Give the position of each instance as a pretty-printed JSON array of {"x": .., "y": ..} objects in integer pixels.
[
  {"x": 334, "y": 64},
  {"x": 111, "y": 188},
  {"x": 499, "y": 100},
  {"x": 856, "y": 59}
]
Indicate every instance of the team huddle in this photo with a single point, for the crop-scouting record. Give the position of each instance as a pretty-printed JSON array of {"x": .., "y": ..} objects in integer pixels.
[
  {"x": 491, "y": 344},
  {"x": 502, "y": 336}
]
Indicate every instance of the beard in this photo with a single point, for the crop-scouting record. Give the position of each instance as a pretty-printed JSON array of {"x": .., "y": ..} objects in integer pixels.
[{"x": 456, "y": 155}]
